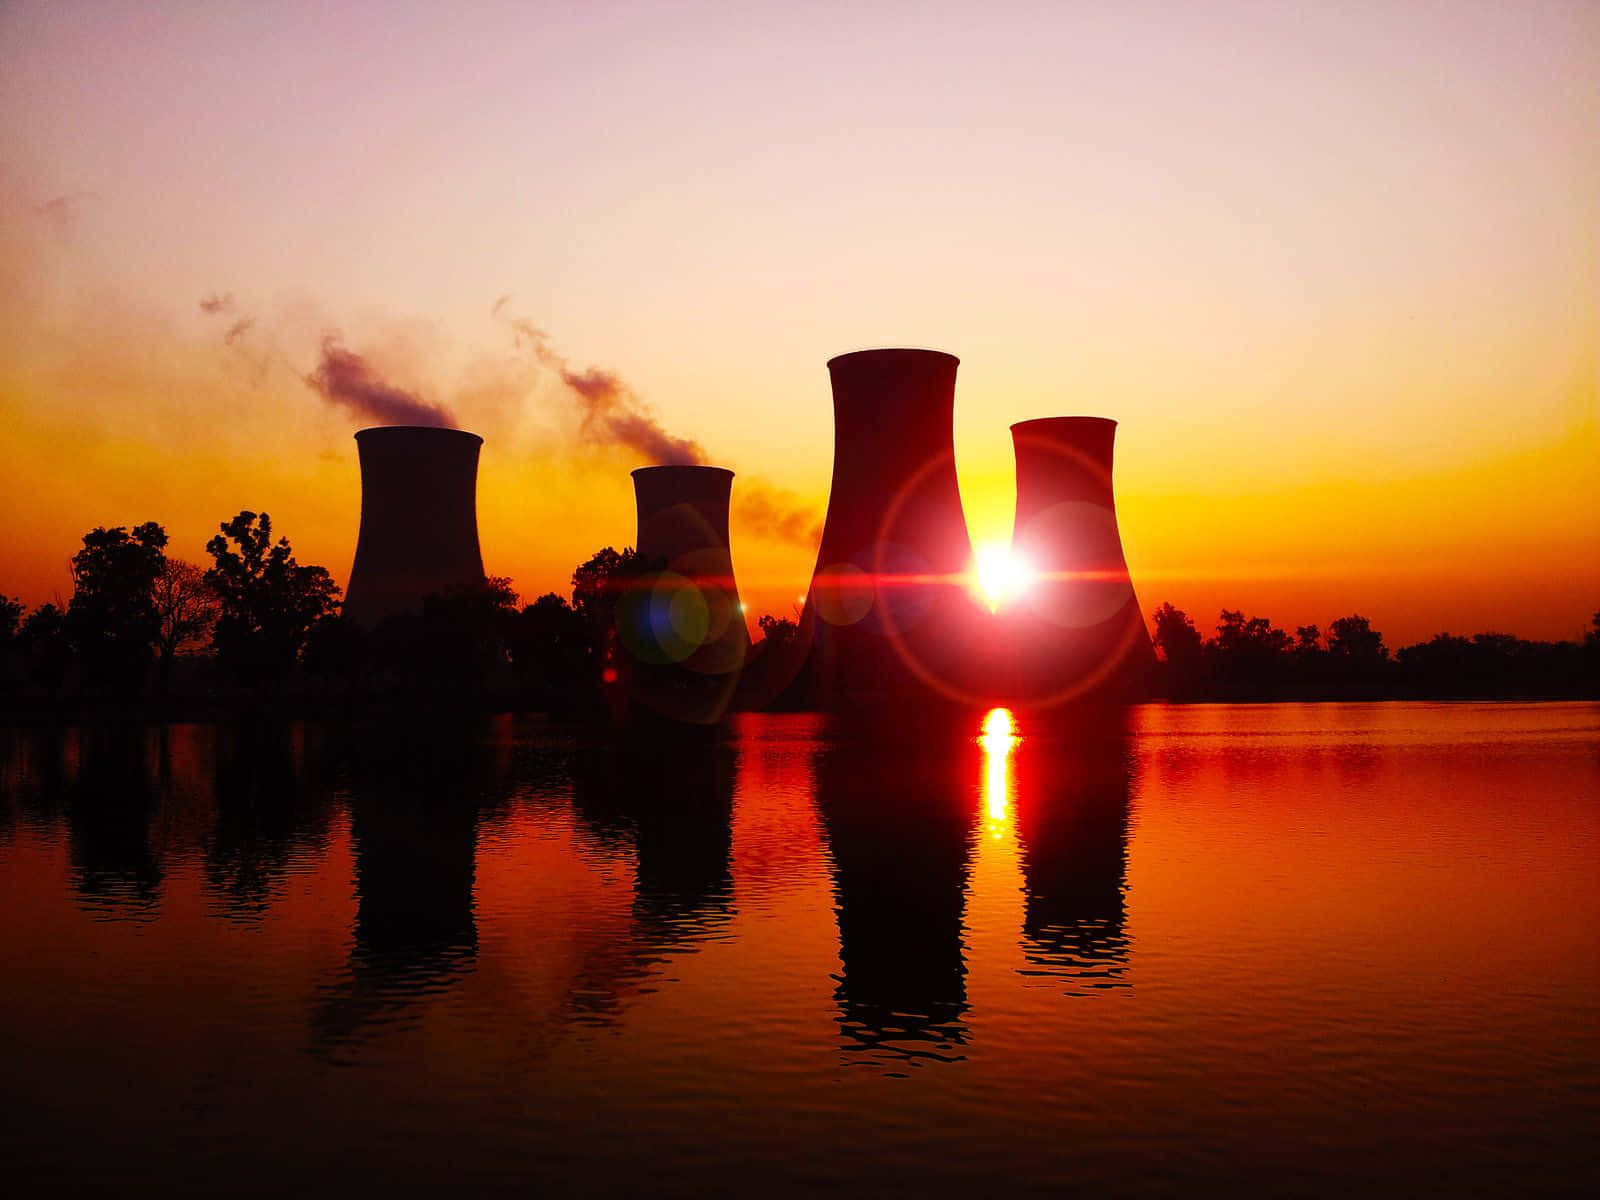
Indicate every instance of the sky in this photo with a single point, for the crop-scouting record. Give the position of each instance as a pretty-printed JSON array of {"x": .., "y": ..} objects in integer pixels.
[{"x": 1335, "y": 269}]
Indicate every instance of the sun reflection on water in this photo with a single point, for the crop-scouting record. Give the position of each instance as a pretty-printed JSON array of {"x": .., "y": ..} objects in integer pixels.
[{"x": 998, "y": 740}]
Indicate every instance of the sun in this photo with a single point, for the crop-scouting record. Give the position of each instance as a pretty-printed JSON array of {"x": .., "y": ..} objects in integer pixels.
[{"x": 1002, "y": 573}]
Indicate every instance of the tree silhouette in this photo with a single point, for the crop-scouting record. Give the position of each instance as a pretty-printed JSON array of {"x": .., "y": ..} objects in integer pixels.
[
  {"x": 553, "y": 657},
  {"x": 45, "y": 647},
  {"x": 464, "y": 636},
  {"x": 596, "y": 587},
  {"x": 1354, "y": 639},
  {"x": 1249, "y": 652},
  {"x": 186, "y": 609},
  {"x": 268, "y": 601},
  {"x": 10, "y": 618},
  {"x": 10, "y": 621},
  {"x": 112, "y": 618},
  {"x": 1181, "y": 650},
  {"x": 777, "y": 632},
  {"x": 1176, "y": 638},
  {"x": 595, "y": 582}
]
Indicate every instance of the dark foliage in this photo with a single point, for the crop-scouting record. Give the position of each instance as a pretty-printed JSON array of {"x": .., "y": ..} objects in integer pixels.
[
  {"x": 112, "y": 620},
  {"x": 268, "y": 602},
  {"x": 186, "y": 609},
  {"x": 1250, "y": 659},
  {"x": 554, "y": 657},
  {"x": 777, "y": 633}
]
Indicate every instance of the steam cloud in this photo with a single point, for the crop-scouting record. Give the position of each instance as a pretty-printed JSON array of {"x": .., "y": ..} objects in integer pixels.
[
  {"x": 221, "y": 304},
  {"x": 62, "y": 211},
  {"x": 778, "y": 515},
  {"x": 346, "y": 379},
  {"x": 613, "y": 414}
]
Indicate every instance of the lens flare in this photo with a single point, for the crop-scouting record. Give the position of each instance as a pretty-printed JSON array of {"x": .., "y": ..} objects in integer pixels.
[{"x": 1003, "y": 573}]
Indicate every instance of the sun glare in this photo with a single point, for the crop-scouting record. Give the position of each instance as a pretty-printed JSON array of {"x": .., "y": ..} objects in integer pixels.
[
  {"x": 1002, "y": 573},
  {"x": 998, "y": 739}
]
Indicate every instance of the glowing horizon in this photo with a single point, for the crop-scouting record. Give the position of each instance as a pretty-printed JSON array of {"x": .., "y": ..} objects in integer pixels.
[{"x": 1336, "y": 275}]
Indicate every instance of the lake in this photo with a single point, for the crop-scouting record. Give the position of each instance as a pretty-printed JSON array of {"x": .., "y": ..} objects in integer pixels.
[{"x": 1309, "y": 949}]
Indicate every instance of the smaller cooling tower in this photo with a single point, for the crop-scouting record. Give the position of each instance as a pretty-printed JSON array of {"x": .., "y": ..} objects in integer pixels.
[
  {"x": 1075, "y": 632},
  {"x": 680, "y": 625},
  {"x": 419, "y": 519}
]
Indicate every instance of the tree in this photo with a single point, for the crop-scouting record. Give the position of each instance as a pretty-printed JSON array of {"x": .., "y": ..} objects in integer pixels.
[
  {"x": 596, "y": 588},
  {"x": 777, "y": 632},
  {"x": 268, "y": 602},
  {"x": 112, "y": 619},
  {"x": 595, "y": 582},
  {"x": 186, "y": 609},
  {"x": 461, "y": 641},
  {"x": 1176, "y": 638},
  {"x": 10, "y": 618},
  {"x": 552, "y": 655},
  {"x": 1249, "y": 652},
  {"x": 1354, "y": 640},
  {"x": 45, "y": 647},
  {"x": 1181, "y": 652}
]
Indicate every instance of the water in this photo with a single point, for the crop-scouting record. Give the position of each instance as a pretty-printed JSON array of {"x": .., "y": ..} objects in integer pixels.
[{"x": 1301, "y": 948}]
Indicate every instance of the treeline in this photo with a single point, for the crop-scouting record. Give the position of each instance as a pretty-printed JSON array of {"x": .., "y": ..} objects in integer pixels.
[
  {"x": 1249, "y": 658},
  {"x": 253, "y": 626}
]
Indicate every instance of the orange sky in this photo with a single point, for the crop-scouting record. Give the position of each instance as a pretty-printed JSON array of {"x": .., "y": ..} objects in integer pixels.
[{"x": 1334, "y": 269}]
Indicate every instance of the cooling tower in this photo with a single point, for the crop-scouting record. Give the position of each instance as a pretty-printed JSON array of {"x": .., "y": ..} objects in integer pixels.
[
  {"x": 895, "y": 618},
  {"x": 1076, "y": 632},
  {"x": 419, "y": 519},
  {"x": 679, "y": 621}
]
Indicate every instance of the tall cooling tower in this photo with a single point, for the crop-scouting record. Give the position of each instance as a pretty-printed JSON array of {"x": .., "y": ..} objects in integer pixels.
[
  {"x": 895, "y": 618},
  {"x": 679, "y": 621},
  {"x": 419, "y": 519},
  {"x": 1076, "y": 632}
]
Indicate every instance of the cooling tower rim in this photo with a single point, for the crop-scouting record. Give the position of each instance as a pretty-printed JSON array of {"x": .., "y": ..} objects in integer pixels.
[
  {"x": 893, "y": 351},
  {"x": 1048, "y": 424},
  {"x": 388, "y": 432},
  {"x": 698, "y": 469}
]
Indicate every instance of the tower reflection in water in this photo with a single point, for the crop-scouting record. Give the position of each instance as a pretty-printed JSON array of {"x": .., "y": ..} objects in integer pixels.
[
  {"x": 1069, "y": 789},
  {"x": 674, "y": 802},
  {"x": 415, "y": 806},
  {"x": 899, "y": 822}
]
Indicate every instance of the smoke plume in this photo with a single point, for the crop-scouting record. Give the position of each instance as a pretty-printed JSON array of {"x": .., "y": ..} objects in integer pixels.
[
  {"x": 346, "y": 379},
  {"x": 778, "y": 515},
  {"x": 221, "y": 304},
  {"x": 613, "y": 414}
]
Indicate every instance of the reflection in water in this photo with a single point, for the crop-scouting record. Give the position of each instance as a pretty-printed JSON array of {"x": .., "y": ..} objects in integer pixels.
[
  {"x": 1071, "y": 800},
  {"x": 271, "y": 794},
  {"x": 111, "y": 804},
  {"x": 673, "y": 802},
  {"x": 998, "y": 740},
  {"x": 1385, "y": 916},
  {"x": 899, "y": 823},
  {"x": 414, "y": 809}
]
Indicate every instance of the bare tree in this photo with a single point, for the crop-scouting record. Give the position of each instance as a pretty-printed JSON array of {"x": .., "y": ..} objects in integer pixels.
[{"x": 187, "y": 606}]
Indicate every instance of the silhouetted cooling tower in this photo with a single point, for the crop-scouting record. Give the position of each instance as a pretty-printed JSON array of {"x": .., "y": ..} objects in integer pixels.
[
  {"x": 419, "y": 519},
  {"x": 679, "y": 621},
  {"x": 1076, "y": 632},
  {"x": 895, "y": 619}
]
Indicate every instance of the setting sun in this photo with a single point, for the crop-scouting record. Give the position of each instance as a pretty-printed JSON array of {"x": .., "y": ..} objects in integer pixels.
[{"x": 1002, "y": 573}]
